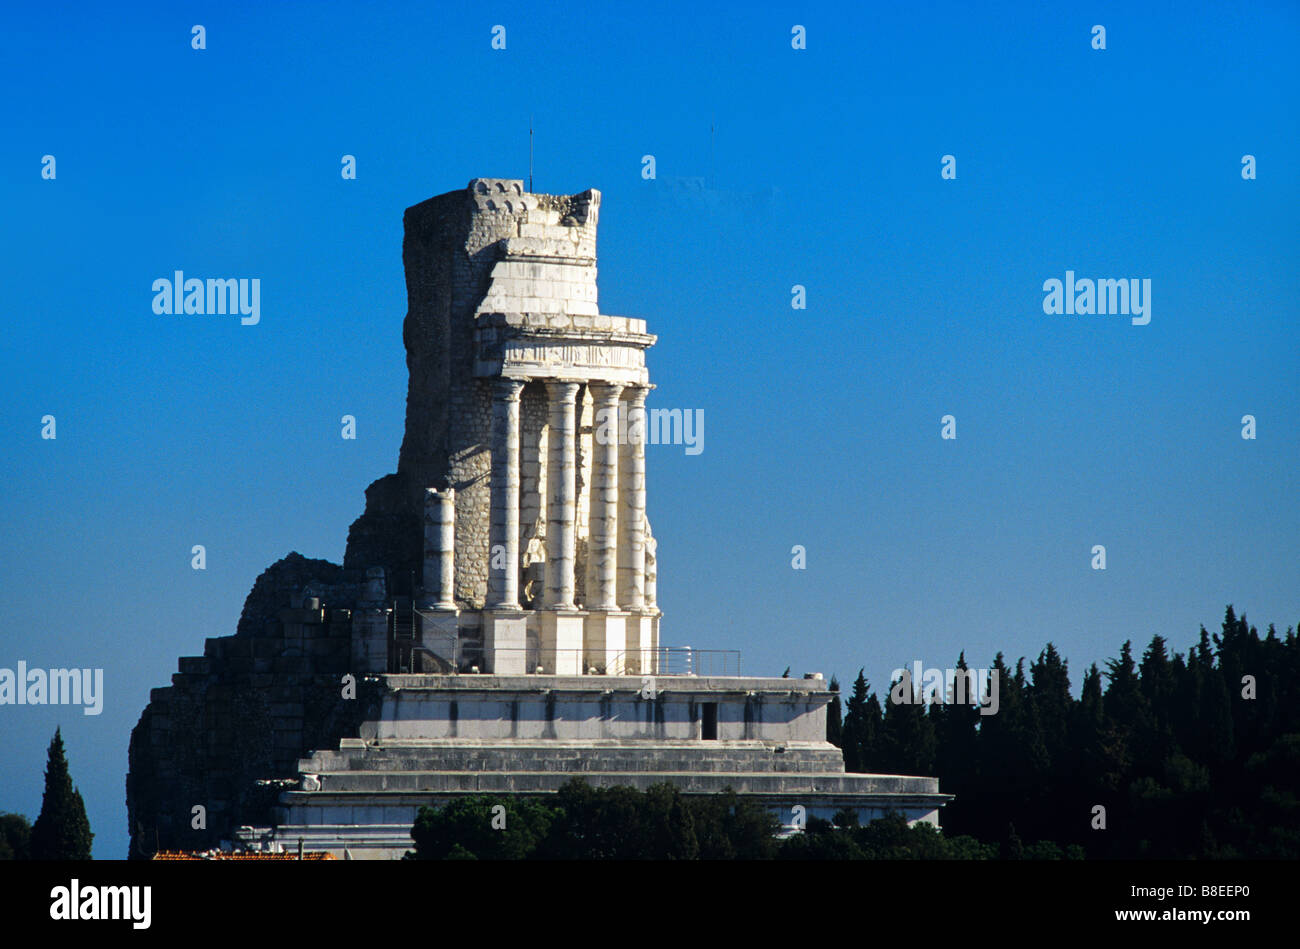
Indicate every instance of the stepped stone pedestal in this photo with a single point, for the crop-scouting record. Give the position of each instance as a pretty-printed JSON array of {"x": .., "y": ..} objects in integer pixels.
[{"x": 437, "y": 738}]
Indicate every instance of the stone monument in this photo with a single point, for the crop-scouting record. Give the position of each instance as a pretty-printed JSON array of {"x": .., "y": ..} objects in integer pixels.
[{"x": 496, "y": 607}]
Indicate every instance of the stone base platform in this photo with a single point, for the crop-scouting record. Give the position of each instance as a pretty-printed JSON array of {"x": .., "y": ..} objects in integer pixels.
[{"x": 437, "y": 738}]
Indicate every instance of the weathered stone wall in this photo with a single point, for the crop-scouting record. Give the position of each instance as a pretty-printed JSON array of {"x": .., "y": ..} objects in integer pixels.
[
  {"x": 452, "y": 254},
  {"x": 244, "y": 711}
]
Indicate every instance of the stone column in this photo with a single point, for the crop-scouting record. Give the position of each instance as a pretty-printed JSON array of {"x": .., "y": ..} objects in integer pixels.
[
  {"x": 562, "y": 486},
  {"x": 503, "y": 552},
  {"x": 631, "y": 514},
  {"x": 370, "y": 624},
  {"x": 602, "y": 545},
  {"x": 439, "y": 549}
]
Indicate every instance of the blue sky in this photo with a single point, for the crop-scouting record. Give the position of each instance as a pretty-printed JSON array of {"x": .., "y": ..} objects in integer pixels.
[{"x": 822, "y": 426}]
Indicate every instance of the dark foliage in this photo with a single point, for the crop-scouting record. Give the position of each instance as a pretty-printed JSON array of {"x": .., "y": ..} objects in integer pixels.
[
  {"x": 1193, "y": 755},
  {"x": 15, "y": 837},
  {"x": 61, "y": 831},
  {"x": 586, "y": 823}
]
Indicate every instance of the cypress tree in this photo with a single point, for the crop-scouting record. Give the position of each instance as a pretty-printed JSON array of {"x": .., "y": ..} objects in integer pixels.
[
  {"x": 1204, "y": 652},
  {"x": 1050, "y": 695},
  {"x": 1158, "y": 683},
  {"x": 1030, "y": 763},
  {"x": 1217, "y": 719},
  {"x": 834, "y": 720},
  {"x": 907, "y": 734},
  {"x": 1125, "y": 704},
  {"x": 1090, "y": 764},
  {"x": 956, "y": 732},
  {"x": 873, "y": 716},
  {"x": 859, "y": 730},
  {"x": 61, "y": 831}
]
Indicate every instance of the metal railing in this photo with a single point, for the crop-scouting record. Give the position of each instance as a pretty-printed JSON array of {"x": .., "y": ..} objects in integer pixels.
[
  {"x": 660, "y": 661},
  {"x": 414, "y": 650},
  {"x": 686, "y": 661},
  {"x": 407, "y": 641}
]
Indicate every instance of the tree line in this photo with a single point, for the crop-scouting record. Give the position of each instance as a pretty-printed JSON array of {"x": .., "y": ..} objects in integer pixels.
[{"x": 1167, "y": 755}]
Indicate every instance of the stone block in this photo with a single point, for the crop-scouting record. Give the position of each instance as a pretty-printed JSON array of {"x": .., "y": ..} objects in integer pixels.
[
  {"x": 267, "y": 648},
  {"x": 605, "y": 643},
  {"x": 195, "y": 665},
  {"x": 641, "y": 657},
  {"x": 505, "y": 642},
  {"x": 561, "y": 642}
]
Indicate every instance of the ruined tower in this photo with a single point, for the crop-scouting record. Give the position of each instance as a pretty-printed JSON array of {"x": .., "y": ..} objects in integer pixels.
[
  {"x": 516, "y": 519},
  {"x": 496, "y": 612}
]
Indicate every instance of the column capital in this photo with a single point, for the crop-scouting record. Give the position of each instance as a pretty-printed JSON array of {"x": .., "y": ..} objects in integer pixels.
[
  {"x": 636, "y": 392},
  {"x": 559, "y": 390},
  {"x": 509, "y": 388},
  {"x": 607, "y": 392}
]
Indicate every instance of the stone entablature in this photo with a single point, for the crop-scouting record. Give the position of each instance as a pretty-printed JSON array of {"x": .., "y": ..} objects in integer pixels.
[
  {"x": 602, "y": 328},
  {"x": 529, "y": 345}
]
